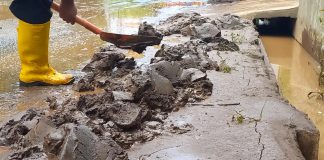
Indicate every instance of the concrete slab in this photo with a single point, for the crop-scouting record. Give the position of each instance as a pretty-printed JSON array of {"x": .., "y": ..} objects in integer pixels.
[
  {"x": 262, "y": 126},
  {"x": 254, "y": 9}
]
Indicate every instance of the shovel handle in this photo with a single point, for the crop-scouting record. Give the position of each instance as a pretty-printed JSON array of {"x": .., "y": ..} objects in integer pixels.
[{"x": 86, "y": 24}]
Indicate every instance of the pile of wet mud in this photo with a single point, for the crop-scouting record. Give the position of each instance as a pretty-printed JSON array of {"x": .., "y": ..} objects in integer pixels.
[{"x": 120, "y": 103}]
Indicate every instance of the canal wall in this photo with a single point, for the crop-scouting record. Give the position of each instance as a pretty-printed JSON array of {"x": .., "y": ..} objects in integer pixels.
[{"x": 309, "y": 29}]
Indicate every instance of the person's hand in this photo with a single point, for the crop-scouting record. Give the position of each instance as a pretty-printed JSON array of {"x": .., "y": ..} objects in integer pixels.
[{"x": 68, "y": 11}]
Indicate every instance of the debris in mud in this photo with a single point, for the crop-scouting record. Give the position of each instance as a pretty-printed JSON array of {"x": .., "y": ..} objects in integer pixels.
[
  {"x": 229, "y": 104},
  {"x": 160, "y": 101},
  {"x": 152, "y": 37},
  {"x": 222, "y": 44},
  {"x": 140, "y": 83},
  {"x": 83, "y": 86},
  {"x": 205, "y": 31},
  {"x": 170, "y": 70},
  {"x": 52, "y": 102},
  {"x": 127, "y": 63},
  {"x": 174, "y": 24},
  {"x": 192, "y": 54},
  {"x": 153, "y": 124},
  {"x": 122, "y": 96},
  {"x": 201, "y": 90},
  {"x": 71, "y": 142},
  {"x": 316, "y": 94},
  {"x": 179, "y": 128},
  {"x": 125, "y": 115},
  {"x": 105, "y": 60},
  {"x": 30, "y": 153},
  {"x": 161, "y": 85},
  {"x": 192, "y": 75},
  {"x": 135, "y": 102},
  {"x": 232, "y": 22},
  {"x": 93, "y": 104},
  {"x": 13, "y": 130}
]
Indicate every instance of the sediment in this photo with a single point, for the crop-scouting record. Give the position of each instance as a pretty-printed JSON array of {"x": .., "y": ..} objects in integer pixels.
[{"x": 121, "y": 104}]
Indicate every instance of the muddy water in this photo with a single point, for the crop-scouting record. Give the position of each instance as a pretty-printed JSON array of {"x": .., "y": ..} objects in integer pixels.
[
  {"x": 297, "y": 74},
  {"x": 72, "y": 46}
]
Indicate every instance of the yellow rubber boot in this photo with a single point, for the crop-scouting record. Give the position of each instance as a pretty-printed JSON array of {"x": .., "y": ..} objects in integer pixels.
[{"x": 33, "y": 51}]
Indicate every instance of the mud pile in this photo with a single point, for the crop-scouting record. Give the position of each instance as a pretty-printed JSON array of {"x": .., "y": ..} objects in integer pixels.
[{"x": 129, "y": 104}]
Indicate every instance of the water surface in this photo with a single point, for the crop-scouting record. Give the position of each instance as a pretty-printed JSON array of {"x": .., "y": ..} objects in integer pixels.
[
  {"x": 72, "y": 46},
  {"x": 297, "y": 75}
]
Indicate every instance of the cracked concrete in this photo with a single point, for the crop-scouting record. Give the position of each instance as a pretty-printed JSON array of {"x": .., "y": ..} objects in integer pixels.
[{"x": 270, "y": 127}]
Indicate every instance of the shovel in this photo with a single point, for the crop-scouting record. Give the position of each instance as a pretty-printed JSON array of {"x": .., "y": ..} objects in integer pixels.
[{"x": 135, "y": 42}]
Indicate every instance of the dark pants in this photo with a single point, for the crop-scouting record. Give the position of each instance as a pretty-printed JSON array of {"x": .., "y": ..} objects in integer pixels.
[{"x": 32, "y": 11}]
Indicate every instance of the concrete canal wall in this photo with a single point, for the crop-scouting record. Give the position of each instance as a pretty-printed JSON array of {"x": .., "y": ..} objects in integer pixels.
[{"x": 310, "y": 26}]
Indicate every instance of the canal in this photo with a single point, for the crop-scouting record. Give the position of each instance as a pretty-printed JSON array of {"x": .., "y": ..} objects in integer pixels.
[{"x": 297, "y": 76}]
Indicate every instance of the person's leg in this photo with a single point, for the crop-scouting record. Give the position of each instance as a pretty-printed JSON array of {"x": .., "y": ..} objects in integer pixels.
[
  {"x": 33, "y": 37},
  {"x": 32, "y": 11}
]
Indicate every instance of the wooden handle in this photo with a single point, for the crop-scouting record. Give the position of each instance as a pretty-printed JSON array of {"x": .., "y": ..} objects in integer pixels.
[{"x": 89, "y": 26}]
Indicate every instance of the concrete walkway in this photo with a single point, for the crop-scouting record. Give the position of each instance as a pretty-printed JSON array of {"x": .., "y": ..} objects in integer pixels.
[
  {"x": 262, "y": 126},
  {"x": 254, "y": 9}
]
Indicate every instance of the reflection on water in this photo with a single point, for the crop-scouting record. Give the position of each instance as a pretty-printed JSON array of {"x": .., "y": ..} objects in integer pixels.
[
  {"x": 297, "y": 76},
  {"x": 4, "y": 12}
]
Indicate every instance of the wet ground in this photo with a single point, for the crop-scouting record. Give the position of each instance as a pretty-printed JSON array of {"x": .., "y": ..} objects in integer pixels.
[
  {"x": 255, "y": 122},
  {"x": 124, "y": 17},
  {"x": 297, "y": 75},
  {"x": 78, "y": 45}
]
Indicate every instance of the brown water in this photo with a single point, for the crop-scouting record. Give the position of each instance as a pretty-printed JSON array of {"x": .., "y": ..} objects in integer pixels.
[
  {"x": 297, "y": 75},
  {"x": 72, "y": 46}
]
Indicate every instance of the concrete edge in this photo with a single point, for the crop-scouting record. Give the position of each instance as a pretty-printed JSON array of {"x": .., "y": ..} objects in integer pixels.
[{"x": 278, "y": 12}]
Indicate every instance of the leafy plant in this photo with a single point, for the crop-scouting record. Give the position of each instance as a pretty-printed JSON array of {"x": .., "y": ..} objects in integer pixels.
[{"x": 224, "y": 67}]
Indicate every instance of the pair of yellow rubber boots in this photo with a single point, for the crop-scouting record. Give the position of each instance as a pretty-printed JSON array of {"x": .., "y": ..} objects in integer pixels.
[{"x": 33, "y": 51}]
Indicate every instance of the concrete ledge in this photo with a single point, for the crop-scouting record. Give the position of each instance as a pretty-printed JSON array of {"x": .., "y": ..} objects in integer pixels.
[
  {"x": 269, "y": 127},
  {"x": 254, "y": 9}
]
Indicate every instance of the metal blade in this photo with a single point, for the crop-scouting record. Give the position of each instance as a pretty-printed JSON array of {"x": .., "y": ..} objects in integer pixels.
[{"x": 135, "y": 42}]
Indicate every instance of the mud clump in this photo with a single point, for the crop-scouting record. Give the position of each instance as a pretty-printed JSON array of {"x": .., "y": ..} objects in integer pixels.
[
  {"x": 71, "y": 142},
  {"x": 174, "y": 24},
  {"x": 13, "y": 130},
  {"x": 82, "y": 86},
  {"x": 232, "y": 22},
  {"x": 150, "y": 35},
  {"x": 30, "y": 153},
  {"x": 125, "y": 115},
  {"x": 146, "y": 29},
  {"x": 221, "y": 44},
  {"x": 52, "y": 102},
  {"x": 105, "y": 60},
  {"x": 205, "y": 31},
  {"x": 192, "y": 54}
]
